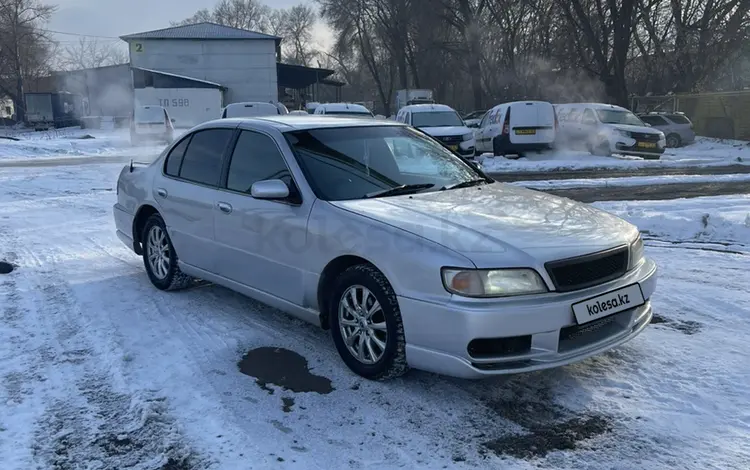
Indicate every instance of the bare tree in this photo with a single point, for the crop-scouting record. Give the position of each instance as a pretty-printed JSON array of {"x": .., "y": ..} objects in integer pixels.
[
  {"x": 24, "y": 46},
  {"x": 243, "y": 14},
  {"x": 90, "y": 53},
  {"x": 295, "y": 26}
]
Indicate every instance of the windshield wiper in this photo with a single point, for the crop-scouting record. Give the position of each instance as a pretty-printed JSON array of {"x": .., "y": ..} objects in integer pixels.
[
  {"x": 465, "y": 184},
  {"x": 397, "y": 190}
]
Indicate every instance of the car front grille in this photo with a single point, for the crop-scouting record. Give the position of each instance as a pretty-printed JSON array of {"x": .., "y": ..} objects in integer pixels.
[
  {"x": 588, "y": 270},
  {"x": 451, "y": 139},
  {"x": 645, "y": 137}
]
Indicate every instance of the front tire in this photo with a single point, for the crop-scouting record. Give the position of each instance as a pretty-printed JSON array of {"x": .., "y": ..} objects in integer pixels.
[
  {"x": 366, "y": 324},
  {"x": 160, "y": 257}
]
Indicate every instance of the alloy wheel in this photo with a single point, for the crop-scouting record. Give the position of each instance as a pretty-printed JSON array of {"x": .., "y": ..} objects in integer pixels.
[
  {"x": 362, "y": 324},
  {"x": 158, "y": 252}
]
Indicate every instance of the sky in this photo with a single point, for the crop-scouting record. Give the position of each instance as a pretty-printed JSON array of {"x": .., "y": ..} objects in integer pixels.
[{"x": 113, "y": 18}]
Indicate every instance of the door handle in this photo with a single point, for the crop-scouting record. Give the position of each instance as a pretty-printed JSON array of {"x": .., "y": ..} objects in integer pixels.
[
  {"x": 161, "y": 192},
  {"x": 224, "y": 207}
]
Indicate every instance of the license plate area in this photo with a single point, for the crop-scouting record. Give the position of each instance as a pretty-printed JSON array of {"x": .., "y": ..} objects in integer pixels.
[
  {"x": 608, "y": 304},
  {"x": 646, "y": 145},
  {"x": 525, "y": 131},
  {"x": 453, "y": 147}
]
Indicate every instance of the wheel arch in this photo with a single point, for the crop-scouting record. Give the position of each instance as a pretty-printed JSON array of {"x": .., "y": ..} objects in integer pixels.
[
  {"x": 329, "y": 275},
  {"x": 139, "y": 221}
]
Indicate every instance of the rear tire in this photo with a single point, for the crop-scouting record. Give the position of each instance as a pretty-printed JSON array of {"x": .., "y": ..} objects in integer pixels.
[
  {"x": 673, "y": 141},
  {"x": 364, "y": 316},
  {"x": 160, "y": 257}
]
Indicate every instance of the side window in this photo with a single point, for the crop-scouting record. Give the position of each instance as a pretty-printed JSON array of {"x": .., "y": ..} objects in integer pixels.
[
  {"x": 255, "y": 158},
  {"x": 654, "y": 120},
  {"x": 174, "y": 159},
  {"x": 588, "y": 118},
  {"x": 407, "y": 118},
  {"x": 485, "y": 119},
  {"x": 203, "y": 157}
]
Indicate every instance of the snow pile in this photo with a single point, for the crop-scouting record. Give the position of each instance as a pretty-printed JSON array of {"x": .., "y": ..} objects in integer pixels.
[
  {"x": 705, "y": 152},
  {"x": 720, "y": 220},
  {"x": 631, "y": 181}
]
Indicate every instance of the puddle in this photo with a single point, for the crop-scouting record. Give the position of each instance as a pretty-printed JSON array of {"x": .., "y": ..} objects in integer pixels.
[
  {"x": 283, "y": 368},
  {"x": 5, "y": 267},
  {"x": 546, "y": 438},
  {"x": 687, "y": 327}
]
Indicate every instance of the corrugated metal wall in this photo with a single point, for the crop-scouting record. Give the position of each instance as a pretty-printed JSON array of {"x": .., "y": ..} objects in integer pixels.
[{"x": 246, "y": 67}]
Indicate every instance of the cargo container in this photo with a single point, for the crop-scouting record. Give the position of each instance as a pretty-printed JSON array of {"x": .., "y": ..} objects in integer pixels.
[{"x": 53, "y": 110}]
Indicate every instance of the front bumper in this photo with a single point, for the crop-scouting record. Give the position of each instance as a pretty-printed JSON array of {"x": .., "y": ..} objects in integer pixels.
[
  {"x": 629, "y": 146},
  {"x": 438, "y": 336}
]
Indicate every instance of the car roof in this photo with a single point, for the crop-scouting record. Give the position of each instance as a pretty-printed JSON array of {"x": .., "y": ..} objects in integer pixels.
[
  {"x": 426, "y": 107},
  {"x": 245, "y": 103},
  {"x": 596, "y": 106},
  {"x": 293, "y": 122},
  {"x": 343, "y": 107}
]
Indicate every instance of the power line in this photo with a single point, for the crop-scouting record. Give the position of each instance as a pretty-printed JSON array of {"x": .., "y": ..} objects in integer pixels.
[{"x": 79, "y": 35}]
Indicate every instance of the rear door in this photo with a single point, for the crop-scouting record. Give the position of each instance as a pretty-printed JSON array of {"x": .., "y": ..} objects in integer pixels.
[
  {"x": 483, "y": 135},
  {"x": 150, "y": 120},
  {"x": 532, "y": 122},
  {"x": 186, "y": 192}
]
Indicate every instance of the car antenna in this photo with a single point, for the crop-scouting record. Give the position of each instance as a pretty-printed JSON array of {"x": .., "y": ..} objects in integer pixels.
[{"x": 131, "y": 165}]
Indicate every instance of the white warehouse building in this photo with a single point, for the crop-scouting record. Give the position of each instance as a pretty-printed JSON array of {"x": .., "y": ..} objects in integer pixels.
[{"x": 194, "y": 71}]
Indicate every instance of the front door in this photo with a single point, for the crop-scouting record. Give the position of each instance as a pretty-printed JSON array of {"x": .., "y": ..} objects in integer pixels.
[
  {"x": 262, "y": 243},
  {"x": 185, "y": 195}
]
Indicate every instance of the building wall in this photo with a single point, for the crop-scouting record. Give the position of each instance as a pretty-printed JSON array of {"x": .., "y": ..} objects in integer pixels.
[
  {"x": 187, "y": 106},
  {"x": 246, "y": 67},
  {"x": 109, "y": 90}
]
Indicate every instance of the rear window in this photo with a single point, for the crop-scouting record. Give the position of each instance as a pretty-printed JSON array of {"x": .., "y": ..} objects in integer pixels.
[
  {"x": 149, "y": 114},
  {"x": 679, "y": 119},
  {"x": 249, "y": 110}
]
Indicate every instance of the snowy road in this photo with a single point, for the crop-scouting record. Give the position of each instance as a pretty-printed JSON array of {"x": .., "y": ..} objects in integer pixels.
[{"x": 99, "y": 370}]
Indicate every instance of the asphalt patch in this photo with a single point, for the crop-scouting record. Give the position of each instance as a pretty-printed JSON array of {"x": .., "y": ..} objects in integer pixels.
[
  {"x": 283, "y": 368},
  {"x": 687, "y": 327},
  {"x": 543, "y": 439},
  {"x": 6, "y": 268}
]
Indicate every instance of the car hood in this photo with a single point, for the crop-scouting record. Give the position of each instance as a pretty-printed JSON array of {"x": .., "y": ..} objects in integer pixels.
[
  {"x": 447, "y": 130},
  {"x": 494, "y": 225},
  {"x": 641, "y": 129}
]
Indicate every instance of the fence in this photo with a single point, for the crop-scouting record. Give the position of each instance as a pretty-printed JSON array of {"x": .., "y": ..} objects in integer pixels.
[{"x": 723, "y": 115}]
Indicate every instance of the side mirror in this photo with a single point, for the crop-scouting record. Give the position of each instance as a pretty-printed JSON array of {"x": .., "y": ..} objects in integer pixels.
[
  {"x": 269, "y": 189},
  {"x": 173, "y": 121},
  {"x": 648, "y": 125},
  {"x": 473, "y": 125}
]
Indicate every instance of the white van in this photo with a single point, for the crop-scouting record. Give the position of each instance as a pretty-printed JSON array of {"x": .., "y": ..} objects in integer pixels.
[
  {"x": 516, "y": 128},
  {"x": 441, "y": 122},
  {"x": 343, "y": 109},
  {"x": 253, "y": 109},
  {"x": 605, "y": 129},
  {"x": 151, "y": 123}
]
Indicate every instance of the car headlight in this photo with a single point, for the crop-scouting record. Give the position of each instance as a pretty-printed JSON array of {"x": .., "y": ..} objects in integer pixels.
[
  {"x": 492, "y": 282},
  {"x": 636, "y": 253},
  {"x": 468, "y": 136},
  {"x": 622, "y": 133}
]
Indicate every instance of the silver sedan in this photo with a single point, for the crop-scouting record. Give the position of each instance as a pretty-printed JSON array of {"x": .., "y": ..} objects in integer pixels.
[{"x": 407, "y": 253}]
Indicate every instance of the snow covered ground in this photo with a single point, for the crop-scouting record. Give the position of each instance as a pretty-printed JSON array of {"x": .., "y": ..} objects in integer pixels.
[
  {"x": 704, "y": 152},
  {"x": 99, "y": 370},
  {"x": 723, "y": 222},
  {"x": 74, "y": 142}
]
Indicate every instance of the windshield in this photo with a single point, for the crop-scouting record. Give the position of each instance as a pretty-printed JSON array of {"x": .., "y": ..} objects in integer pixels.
[
  {"x": 149, "y": 115},
  {"x": 346, "y": 163},
  {"x": 350, "y": 113},
  {"x": 608, "y": 116},
  {"x": 436, "y": 119}
]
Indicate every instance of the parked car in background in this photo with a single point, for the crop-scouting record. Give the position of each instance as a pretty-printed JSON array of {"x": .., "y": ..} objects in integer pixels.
[
  {"x": 253, "y": 109},
  {"x": 474, "y": 118},
  {"x": 605, "y": 129},
  {"x": 517, "y": 128},
  {"x": 343, "y": 109},
  {"x": 408, "y": 254},
  {"x": 151, "y": 123},
  {"x": 677, "y": 128},
  {"x": 299, "y": 112},
  {"x": 441, "y": 122}
]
